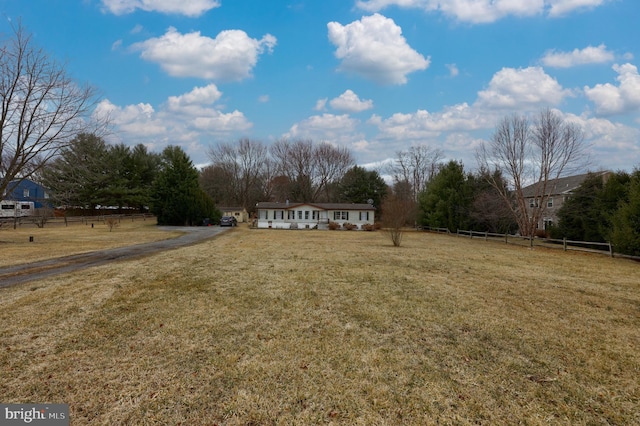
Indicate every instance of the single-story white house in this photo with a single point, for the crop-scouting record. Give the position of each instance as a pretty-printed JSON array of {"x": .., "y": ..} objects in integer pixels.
[{"x": 313, "y": 215}]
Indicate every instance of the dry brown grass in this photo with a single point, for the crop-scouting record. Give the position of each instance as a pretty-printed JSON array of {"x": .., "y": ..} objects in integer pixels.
[
  {"x": 56, "y": 240},
  {"x": 309, "y": 327}
]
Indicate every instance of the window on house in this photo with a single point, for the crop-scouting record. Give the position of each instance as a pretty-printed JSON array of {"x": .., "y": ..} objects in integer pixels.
[
  {"x": 550, "y": 202},
  {"x": 25, "y": 206},
  {"x": 278, "y": 214},
  {"x": 306, "y": 215},
  {"x": 340, "y": 215},
  {"x": 533, "y": 202},
  {"x": 291, "y": 214},
  {"x": 315, "y": 215},
  {"x": 8, "y": 207},
  {"x": 300, "y": 214},
  {"x": 25, "y": 192},
  {"x": 364, "y": 215}
]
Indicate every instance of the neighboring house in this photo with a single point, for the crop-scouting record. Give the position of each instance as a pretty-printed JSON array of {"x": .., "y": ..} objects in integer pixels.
[
  {"x": 313, "y": 215},
  {"x": 27, "y": 190},
  {"x": 240, "y": 213},
  {"x": 557, "y": 193}
]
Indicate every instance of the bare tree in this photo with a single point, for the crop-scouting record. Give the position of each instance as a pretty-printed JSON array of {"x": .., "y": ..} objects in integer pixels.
[
  {"x": 243, "y": 165},
  {"x": 531, "y": 155},
  {"x": 416, "y": 166},
  {"x": 41, "y": 108},
  {"x": 296, "y": 161},
  {"x": 396, "y": 212},
  {"x": 310, "y": 169},
  {"x": 331, "y": 164}
]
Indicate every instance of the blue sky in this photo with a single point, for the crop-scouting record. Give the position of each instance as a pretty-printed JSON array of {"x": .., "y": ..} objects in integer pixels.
[{"x": 376, "y": 76}]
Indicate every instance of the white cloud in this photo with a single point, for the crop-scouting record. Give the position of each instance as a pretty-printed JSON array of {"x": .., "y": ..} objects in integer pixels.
[
  {"x": 611, "y": 144},
  {"x": 423, "y": 125},
  {"x": 188, "y": 120},
  {"x": 375, "y": 48},
  {"x": 350, "y": 102},
  {"x": 329, "y": 125},
  {"x": 564, "y": 7},
  {"x": 263, "y": 99},
  {"x": 523, "y": 88},
  {"x": 230, "y": 56},
  {"x": 625, "y": 97},
  {"x": 453, "y": 70},
  {"x": 485, "y": 11},
  {"x": 321, "y": 104},
  {"x": 198, "y": 96},
  {"x": 588, "y": 55},
  {"x": 330, "y": 128},
  {"x": 190, "y": 8}
]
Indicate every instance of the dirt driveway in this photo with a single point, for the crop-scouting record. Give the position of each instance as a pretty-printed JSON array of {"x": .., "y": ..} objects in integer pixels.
[{"x": 18, "y": 274}]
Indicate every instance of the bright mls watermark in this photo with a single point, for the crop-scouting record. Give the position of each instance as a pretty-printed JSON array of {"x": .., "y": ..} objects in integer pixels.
[{"x": 34, "y": 414}]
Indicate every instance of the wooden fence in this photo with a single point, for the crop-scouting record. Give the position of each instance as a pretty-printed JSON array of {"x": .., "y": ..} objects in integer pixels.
[
  {"x": 588, "y": 246},
  {"x": 42, "y": 221}
]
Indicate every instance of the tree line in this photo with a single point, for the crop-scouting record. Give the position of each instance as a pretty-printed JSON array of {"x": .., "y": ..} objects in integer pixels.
[{"x": 47, "y": 133}]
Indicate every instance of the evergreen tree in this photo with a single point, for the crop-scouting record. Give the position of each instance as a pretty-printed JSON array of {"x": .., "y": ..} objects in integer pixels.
[
  {"x": 78, "y": 176},
  {"x": 446, "y": 201},
  {"x": 586, "y": 215},
  {"x": 176, "y": 196},
  {"x": 90, "y": 172},
  {"x": 626, "y": 220},
  {"x": 360, "y": 185}
]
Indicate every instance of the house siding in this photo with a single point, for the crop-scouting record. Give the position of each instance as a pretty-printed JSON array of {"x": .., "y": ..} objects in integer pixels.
[
  {"x": 559, "y": 193},
  {"x": 29, "y": 191},
  {"x": 312, "y": 216}
]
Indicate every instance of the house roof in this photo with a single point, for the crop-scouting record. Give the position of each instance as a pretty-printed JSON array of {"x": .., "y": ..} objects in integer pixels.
[
  {"x": 322, "y": 206},
  {"x": 560, "y": 186}
]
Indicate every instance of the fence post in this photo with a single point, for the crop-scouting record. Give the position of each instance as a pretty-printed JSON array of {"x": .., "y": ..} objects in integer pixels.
[
  {"x": 486, "y": 235},
  {"x": 610, "y": 249},
  {"x": 564, "y": 243}
]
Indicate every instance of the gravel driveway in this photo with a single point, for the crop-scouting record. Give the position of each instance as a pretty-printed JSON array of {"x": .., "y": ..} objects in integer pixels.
[{"x": 18, "y": 274}]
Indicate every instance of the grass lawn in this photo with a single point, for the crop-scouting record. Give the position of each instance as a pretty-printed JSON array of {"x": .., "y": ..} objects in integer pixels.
[
  {"x": 57, "y": 240},
  {"x": 267, "y": 327}
]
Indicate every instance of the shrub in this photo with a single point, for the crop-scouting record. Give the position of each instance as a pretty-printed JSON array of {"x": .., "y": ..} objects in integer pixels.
[
  {"x": 541, "y": 233},
  {"x": 112, "y": 222},
  {"x": 334, "y": 225},
  {"x": 349, "y": 226},
  {"x": 368, "y": 227}
]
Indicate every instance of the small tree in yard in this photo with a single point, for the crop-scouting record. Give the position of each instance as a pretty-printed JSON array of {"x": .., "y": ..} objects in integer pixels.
[
  {"x": 396, "y": 211},
  {"x": 112, "y": 222}
]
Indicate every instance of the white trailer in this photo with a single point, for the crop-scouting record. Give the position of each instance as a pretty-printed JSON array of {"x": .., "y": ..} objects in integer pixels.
[{"x": 10, "y": 208}]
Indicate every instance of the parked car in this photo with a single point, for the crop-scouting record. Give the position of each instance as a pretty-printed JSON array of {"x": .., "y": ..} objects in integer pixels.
[{"x": 228, "y": 221}]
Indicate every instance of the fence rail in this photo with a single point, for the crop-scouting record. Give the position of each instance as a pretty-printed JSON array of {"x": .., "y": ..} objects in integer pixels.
[
  {"x": 41, "y": 221},
  {"x": 587, "y": 246}
]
